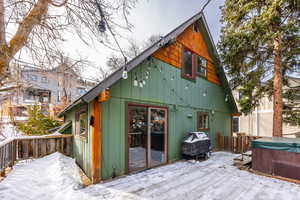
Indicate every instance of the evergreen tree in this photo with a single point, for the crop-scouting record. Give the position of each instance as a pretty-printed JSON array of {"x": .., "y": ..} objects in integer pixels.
[
  {"x": 260, "y": 47},
  {"x": 37, "y": 123}
]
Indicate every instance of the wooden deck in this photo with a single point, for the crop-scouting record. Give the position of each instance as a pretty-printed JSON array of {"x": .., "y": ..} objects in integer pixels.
[{"x": 214, "y": 179}]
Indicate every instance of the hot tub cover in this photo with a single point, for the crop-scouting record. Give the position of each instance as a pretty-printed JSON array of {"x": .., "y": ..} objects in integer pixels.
[{"x": 278, "y": 143}]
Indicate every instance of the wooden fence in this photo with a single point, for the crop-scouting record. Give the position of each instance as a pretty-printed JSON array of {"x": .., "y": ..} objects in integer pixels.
[
  {"x": 235, "y": 144},
  {"x": 33, "y": 147}
]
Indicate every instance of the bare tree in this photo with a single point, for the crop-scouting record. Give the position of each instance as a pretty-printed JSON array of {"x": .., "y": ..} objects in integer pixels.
[
  {"x": 38, "y": 26},
  {"x": 114, "y": 61}
]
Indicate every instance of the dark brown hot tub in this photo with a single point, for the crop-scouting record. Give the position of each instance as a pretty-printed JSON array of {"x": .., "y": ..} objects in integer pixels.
[{"x": 277, "y": 156}]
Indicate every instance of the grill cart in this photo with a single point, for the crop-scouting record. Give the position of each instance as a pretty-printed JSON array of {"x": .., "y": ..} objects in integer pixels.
[{"x": 196, "y": 145}]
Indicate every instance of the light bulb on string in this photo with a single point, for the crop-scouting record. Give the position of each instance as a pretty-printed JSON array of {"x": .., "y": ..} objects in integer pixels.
[
  {"x": 135, "y": 82},
  {"x": 147, "y": 75},
  {"x": 205, "y": 93},
  {"x": 226, "y": 98},
  {"x": 141, "y": 84},
  {"x": 172, "y": 78},
  {"x": 125, "y": 74},
  {"x": 186, "y": 87}
]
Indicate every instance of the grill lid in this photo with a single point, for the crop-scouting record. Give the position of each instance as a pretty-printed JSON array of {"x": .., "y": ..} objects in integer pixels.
[{"x": 196, "y": 136}]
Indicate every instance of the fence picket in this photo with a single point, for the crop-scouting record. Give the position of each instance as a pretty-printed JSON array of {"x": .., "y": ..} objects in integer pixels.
[
  {"x": 35, "y": 147},
  {"x": 235, "y": 144}
]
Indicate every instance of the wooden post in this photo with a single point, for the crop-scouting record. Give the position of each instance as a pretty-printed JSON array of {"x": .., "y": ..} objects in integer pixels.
[{"x": 96, "y": 141}]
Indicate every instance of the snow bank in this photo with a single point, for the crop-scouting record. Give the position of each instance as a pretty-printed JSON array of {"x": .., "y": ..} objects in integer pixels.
[{"x": 51, "y": 177}]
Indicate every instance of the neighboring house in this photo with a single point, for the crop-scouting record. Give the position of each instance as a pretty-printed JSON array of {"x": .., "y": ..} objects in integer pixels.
[
  {"x": 175, "y": 86},
  {"x": 48, "y": 88},
  {"x": 260, "y": 121}
]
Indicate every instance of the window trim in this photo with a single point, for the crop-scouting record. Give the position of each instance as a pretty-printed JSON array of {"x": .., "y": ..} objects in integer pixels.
[
  {"x": 84, "y": 109},
  {"x": 183, "y": 74},
  {"x": 199, "y": 113},
  {"x": 237, "y": 124},
  {"x": 194, "y": 66}
]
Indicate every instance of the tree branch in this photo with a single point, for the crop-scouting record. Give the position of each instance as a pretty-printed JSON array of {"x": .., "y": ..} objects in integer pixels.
[{"x": 20, "y": 38}]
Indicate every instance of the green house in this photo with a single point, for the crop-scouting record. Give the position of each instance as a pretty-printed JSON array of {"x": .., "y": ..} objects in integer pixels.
[{"x": 177, "y": 85}]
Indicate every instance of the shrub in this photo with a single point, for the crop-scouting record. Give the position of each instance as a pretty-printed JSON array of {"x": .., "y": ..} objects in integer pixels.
[{"x": 38, "y": 123}]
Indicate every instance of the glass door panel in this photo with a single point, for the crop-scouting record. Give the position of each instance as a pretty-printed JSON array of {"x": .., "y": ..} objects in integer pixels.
[
  {"x": 157, "y": 130},
  {"x": 137, "y": 137}
]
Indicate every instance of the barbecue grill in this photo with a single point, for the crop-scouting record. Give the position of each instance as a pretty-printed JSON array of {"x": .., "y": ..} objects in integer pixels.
[{"x": 195, "y": 145}]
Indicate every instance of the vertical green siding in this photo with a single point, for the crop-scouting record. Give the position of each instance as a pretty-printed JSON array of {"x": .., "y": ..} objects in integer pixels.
[
  {"x": 165, "y": 87},
  {"x": 81, "y": 147}
]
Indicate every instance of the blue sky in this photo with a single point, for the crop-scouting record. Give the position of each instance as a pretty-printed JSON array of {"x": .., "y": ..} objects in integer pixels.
[{"x": 151, "y": 17}]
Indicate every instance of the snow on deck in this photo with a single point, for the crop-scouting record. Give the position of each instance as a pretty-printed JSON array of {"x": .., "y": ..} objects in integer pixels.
[{"x": 56, "y": 177}]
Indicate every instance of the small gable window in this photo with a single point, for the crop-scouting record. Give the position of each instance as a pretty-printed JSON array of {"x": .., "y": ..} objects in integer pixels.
[
  {"x": 196, "y": 28},
  {"x": 201, "y": 65},
  {"x": 187, "y": 65},
  {"x": 193, "y": 65}
]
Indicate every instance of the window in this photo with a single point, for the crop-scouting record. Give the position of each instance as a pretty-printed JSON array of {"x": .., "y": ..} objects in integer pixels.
[
  {"x": 44, "y": 79},
  {"x": 81, "y": 91},
  {"x": 196, "y": 27},
  {"x": 201, "y": 64},
  {"x": 193, "y": 64},
  {"x": 188, "y": 64},
  {"x": 236, "y": 124},
  {"x": 203, "y": 121},
  {"x": 33, "y": 77},
  {"x": 81, "y": 122}
]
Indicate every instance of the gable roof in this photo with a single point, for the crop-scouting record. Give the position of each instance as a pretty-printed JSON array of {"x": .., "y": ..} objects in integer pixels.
[{"x": 117, "y": 75}]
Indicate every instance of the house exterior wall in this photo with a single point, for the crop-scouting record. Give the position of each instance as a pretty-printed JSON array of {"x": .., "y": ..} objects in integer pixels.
[
  {"x": 72, "y": 84},
  {"x": 260, "y": 121},
  {"x": 158, "y": 92},
  {"x": 81, "y": 145}
]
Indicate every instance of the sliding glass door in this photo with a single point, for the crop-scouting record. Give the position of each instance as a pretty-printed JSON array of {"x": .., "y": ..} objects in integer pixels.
[
  {"x": 157, "y": 136},
  {"x": 147, "y": 136}
]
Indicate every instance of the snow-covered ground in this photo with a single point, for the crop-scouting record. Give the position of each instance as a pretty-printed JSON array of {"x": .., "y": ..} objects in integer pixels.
[{"x": 56, "y": 177}]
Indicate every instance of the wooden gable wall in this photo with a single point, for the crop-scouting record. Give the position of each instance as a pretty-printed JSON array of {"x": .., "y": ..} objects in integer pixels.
[{"x": 194, "y": 41}]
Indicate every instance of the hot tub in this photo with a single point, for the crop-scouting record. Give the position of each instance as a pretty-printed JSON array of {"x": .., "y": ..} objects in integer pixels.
[{"x": 277, "y": 156}]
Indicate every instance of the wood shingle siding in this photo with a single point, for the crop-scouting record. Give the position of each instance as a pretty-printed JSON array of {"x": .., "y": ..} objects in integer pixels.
[{"x": 194, "y": 41}]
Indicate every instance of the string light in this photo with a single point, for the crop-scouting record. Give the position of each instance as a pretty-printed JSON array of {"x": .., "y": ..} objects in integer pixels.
[
  {"x": 102, "y": 28},
  {"x": 125, "y": 73},
  {"x": 135, "y": 82},
  {"x": 147, "y": 75},
  {"x": 141, "y": 84}
]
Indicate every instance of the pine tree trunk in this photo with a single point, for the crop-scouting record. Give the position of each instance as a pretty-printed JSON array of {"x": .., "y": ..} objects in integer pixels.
[{"x": 277, "y": 85}]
